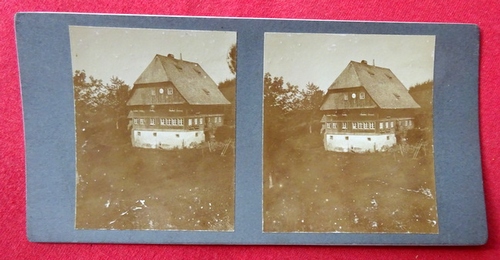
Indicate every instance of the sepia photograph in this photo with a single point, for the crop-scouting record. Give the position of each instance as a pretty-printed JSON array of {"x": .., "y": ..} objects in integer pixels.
[
  {"x": 154, "y": 127},
  {"x": 348, "y": 133}
]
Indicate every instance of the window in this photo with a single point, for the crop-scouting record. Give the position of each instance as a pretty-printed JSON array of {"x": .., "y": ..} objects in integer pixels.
[
  {"x": 136, "y": 121},
  {"x": 386, "y": 124},
  {"x": 163, "y": 121},
  {"x": 328, "y": 125},
  {"x": 354, "y": 125},
  {"x": 196, "y": 121},
  {"x": 360, "y": 125},
  {"x": 365, "y": 125},
  {"x": 344, "y": 125},
  {"x": 153, "y": 92},
  {"x": 406, "y": 123},
  {"x": 142, "y": 121},
  {"x": 174, "y": 121},
  {"x": 201, "y": 121},
  {"x": 334, "y": 125},
  {"x": 346, "y": 97},
  {"x": 152, "y": 121},
  {"x": 190, "y": 121},
  {"x": 372, "y": 125},
  {"x": 392, "y": 124},
  {"x": 180, "y": 121},
  {"x": 170, "y": 91},
  {"x": 169, "y": 121},
  {"x": 161, "y": 90},
  {"x": 361, "y": 95},
  {"x": 381, "y": 125},
  {"x": 409, "y": 122}
]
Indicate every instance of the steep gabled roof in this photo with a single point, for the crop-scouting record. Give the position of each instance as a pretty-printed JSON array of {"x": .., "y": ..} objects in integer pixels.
[
  {"x": 380, "y": 83},
  {"x": 189, "y": 78}
]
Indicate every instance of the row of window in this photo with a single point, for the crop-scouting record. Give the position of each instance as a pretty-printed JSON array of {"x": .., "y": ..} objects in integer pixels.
[
  {"x": 361, "y": 95},
  {"x": 347, "y": 138},
  {"x": 175, "y": 121},
  {"x": 355, "y": 125},
  {"x": 169, "y": 90},
  {"x": 176, "y": 135},
  {"x": 367, "y": 125}
]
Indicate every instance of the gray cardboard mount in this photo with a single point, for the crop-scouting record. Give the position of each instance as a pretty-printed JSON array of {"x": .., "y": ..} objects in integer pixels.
[{"x": 46, "y": 80}]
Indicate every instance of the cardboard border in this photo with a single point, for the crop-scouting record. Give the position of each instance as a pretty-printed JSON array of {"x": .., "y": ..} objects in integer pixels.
[{"x": 47, "y": 92}]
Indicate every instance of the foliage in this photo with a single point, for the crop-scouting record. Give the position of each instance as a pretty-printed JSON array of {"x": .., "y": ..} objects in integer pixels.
[
  {"x": 422, "y": 93},
  {"x": 312, "y": 97},
  {"x": 99, "y": 106},
  {"x": 231, "y": 58},
  {"x": 288, "y": 110}
]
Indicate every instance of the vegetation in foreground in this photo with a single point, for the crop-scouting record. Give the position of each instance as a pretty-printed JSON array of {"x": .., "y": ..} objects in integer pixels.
[
  {"x": 120, "y": 187},
  {"x": 307, "y": 189}
]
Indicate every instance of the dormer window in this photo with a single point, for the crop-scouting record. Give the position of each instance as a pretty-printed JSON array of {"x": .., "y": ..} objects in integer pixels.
[
  {"x": 161, "y": 90},
  {"x": 361, "y": 95},
  {"x": 170, "y": 91},
  {"x": 346, "y": 97}
]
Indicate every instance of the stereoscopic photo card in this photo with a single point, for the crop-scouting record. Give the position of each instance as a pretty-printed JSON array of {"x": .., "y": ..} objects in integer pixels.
[{"x": 190, "y": 130}]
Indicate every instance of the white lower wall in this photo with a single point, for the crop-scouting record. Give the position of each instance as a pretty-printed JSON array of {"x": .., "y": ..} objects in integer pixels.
[
  {"x": 166, "y": 139},
  {"x": 358, "y": 143}
]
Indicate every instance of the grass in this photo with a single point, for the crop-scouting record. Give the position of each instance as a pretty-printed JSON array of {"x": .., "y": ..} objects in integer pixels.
[
  {"x": 120, "y": 187},
  {"x": 307, "y": 189}
]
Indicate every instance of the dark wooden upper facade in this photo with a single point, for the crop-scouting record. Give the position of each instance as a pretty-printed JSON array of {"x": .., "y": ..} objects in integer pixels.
[{"x": 175, "y": 94}]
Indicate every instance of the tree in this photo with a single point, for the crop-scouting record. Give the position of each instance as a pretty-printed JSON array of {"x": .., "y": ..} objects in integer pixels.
[
  {"x": 313, "y": 97},
  {"x": 280, "y": 97},
  {"x": 98, "y": 106},
  {"x": 231, "y": 59}
]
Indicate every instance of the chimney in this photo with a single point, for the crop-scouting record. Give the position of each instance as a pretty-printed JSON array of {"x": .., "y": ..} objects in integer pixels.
[
  {"x": 364, "y": 62},
  {"x": 181, "y": 56},
  {"x": 374, "y": 62}
]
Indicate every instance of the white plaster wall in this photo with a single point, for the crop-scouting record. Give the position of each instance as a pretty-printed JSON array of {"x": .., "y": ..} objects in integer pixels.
[
  {"x": 167, "y": 139},
  {"x": 358, "y": 143}
]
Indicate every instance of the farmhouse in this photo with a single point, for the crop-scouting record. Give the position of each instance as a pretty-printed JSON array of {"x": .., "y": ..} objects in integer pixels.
[
  {"x": 365, "y": 109},
  {"x": 174, "y": 104}
]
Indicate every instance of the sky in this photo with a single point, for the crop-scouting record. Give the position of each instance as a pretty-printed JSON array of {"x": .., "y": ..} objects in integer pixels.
[
  {"x": 301, "y": 58},
  {"x": 104, "y": 52}
]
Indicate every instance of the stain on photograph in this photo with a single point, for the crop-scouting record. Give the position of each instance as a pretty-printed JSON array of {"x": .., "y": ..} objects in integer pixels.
[
  {"x": 348, "y": 133},
  {"x": 155, "y": 128}
]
